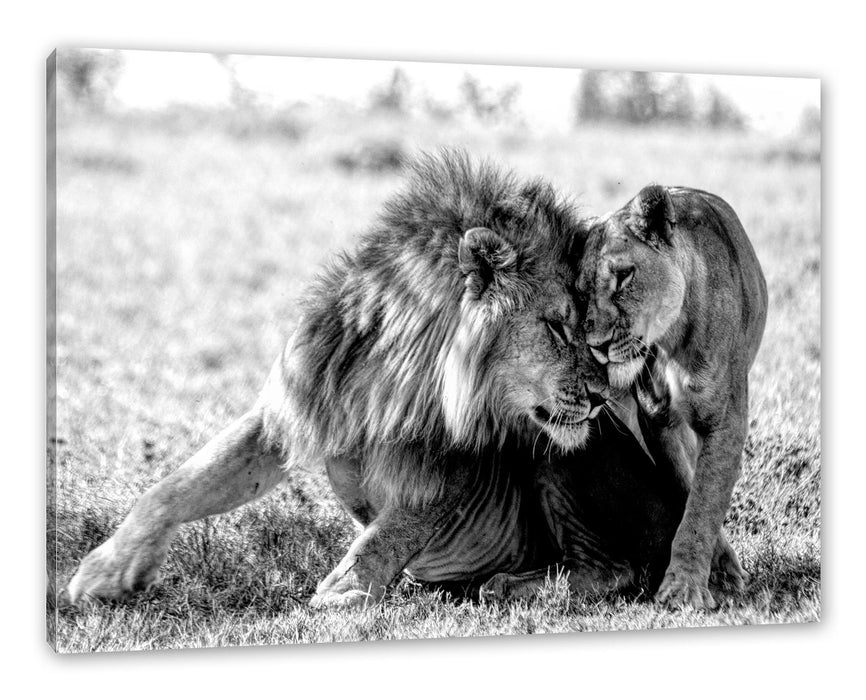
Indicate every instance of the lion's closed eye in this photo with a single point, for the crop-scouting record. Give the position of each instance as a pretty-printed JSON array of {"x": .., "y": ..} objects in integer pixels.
[{"x": 560, "y": 332}]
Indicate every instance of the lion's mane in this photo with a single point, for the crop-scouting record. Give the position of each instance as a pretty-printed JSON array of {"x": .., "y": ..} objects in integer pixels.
[{"x": 391, "y": 362}]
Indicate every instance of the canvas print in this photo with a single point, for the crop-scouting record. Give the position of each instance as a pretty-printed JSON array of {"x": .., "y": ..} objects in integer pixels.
[{"x": 350, "y": 350}]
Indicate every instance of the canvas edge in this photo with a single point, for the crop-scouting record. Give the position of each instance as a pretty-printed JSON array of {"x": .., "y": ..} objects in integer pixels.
[{"x": 51, "y": 347}]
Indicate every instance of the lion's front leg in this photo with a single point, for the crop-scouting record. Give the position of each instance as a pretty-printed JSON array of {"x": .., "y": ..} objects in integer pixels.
[
  {"x": 697, "y": 537},
  {"x": 229, "y": 471},
  {"x": 378, "y": 555}
]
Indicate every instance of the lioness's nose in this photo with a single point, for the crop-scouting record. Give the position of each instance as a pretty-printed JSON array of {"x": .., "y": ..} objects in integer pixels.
[{"x": 599, "y": 344}]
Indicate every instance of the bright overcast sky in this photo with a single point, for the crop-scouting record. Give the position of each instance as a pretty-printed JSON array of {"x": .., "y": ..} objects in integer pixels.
[{"x": 155, "y": 78}]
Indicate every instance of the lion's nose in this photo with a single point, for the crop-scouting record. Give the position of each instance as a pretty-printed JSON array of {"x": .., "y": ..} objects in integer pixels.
[{"x": 595, "y": 399}]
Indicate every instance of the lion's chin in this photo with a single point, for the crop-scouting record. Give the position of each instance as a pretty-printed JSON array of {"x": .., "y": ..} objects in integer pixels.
[
  {"x": 570, "y": 437},
  {"x": 622, "y": 375}
]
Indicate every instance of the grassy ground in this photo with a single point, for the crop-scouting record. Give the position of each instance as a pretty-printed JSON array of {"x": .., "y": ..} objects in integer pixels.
[{"x": 181, "y": 244}]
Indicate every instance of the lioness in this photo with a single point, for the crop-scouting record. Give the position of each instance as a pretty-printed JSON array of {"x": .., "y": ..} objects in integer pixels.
[
  {"x": 427, "y": 366},
  {"x": 676, "y": 307}
]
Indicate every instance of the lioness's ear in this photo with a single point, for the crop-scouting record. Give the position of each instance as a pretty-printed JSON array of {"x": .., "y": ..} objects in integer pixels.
[
  {"x": 484, "y": 256},
  {"x": 654, "y": 214}
]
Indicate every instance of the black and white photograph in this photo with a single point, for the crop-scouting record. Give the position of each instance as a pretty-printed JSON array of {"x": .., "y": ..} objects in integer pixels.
[{"x": 347, "y": 350}]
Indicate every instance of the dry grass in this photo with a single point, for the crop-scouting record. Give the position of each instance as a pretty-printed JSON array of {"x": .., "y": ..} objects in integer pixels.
[{"x": 182, "y": 241}]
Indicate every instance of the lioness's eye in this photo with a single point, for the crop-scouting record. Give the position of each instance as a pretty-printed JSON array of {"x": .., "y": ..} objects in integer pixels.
[{"x": 623, "y": 276}]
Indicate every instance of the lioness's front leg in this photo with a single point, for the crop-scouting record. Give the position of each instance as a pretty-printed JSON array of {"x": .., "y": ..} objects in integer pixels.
[
  {"x": 229, "y": 471},
  {"x": 674, "y": 441},
  {"x": 718, "y": 466}
]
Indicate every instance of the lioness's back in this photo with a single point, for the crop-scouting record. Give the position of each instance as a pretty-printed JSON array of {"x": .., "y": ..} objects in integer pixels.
[{"x": 699, "y": 211}]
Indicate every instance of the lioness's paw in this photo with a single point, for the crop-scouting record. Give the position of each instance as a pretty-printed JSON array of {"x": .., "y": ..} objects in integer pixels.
[
  {"x": 682, "y": 589},
  {"x": 727, "y": 571},
  {"x": 106, "y": 574},
  {"x": 346, "y": 600}
]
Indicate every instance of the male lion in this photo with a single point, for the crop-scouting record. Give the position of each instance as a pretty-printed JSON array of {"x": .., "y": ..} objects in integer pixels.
[
  {"x": 427, "y": 366},
  {"x": 677, "y": 305}
]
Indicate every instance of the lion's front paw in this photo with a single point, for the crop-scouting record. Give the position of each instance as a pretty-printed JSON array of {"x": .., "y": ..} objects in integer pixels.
[
  {"x": 682, "y": 588},
  {"x": 110, "y": 574},
  {"x": 343, "y": 588},
  {"x": 497, "y": 587},
  {"x": 347, "y": 600}
]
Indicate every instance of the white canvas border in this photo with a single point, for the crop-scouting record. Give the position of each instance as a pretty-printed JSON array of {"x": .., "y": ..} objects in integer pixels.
[{"x": 806, "y": 659}]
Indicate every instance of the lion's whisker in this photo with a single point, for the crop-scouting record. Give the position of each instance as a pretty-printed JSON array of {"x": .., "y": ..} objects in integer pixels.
[{"x": 612, "y": 415}]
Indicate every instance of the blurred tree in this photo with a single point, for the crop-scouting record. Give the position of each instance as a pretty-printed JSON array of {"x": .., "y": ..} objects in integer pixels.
[
  {"x": 240, "y": 96},
  {"x": 591, "y": 101},
  {"x": 639, "y": 101},
  {"x": 250, "y": 114},
  {"x": 88, "y": 76},
  {"x": 678, "y": 101},
  {"x": 810, "y": 120},
  {"x": 487, "y": 103},
  {"x": 394, "y": 96},
  {"x": 721, "y": 112},
  {"x": 638, "y": 97},
  {"x": 438, "y": 109}
]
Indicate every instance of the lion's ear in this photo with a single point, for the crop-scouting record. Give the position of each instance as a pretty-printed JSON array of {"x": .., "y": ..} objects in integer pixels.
[
  {"x": 484, "y": 257},
  {"x": 653, "y": 210}
]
